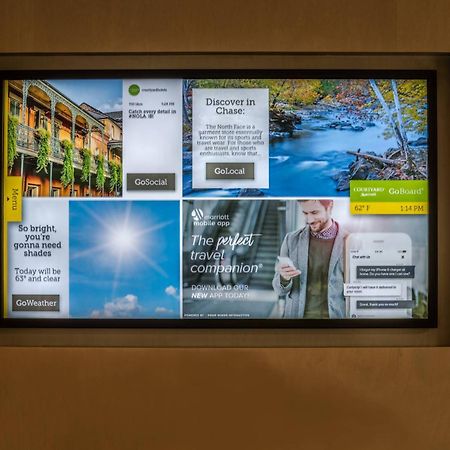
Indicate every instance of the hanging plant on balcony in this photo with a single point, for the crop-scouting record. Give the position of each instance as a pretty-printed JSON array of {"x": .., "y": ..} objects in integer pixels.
[
  {"x": 67, "y": 174},
  {"x": 115, "y": 182},
  {"x": 86, "y": 168},
  {"x": 13, "y": 122},
  {"x": 43, "y": 138},
  {"x": 100, "y": 181},
  {"x": 120, "y": 176}
]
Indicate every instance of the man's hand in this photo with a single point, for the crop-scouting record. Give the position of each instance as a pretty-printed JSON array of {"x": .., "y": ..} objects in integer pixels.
[{"x": 288, "y": 272}]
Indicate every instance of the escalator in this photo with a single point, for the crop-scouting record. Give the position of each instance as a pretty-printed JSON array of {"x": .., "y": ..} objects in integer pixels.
[{"x": 268, "y": 249}]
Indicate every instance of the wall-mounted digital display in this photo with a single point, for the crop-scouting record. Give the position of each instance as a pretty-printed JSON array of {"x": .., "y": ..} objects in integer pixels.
[{"x": 262, "y": 198}]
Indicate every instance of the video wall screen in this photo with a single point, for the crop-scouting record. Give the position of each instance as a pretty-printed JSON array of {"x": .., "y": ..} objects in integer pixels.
[{"x": 219, "y": 199}]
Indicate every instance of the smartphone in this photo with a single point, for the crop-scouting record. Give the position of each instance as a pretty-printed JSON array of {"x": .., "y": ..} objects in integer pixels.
[
  {"x": 285, "y": 261},
  {"x": 378, "y": 274}
]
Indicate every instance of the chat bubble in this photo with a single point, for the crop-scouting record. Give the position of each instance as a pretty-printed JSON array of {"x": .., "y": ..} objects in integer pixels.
[
  {"x": 372, "y": 290},
  {"x": 385, "y": 304},
  {"x": 385, "y": 272}
]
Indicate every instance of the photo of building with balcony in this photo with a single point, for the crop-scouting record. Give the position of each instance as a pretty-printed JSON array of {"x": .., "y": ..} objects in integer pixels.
[{"x": 59, "y": 147}]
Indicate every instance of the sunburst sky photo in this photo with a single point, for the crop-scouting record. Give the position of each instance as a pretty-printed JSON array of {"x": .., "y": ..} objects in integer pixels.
[{"x": 124, "y": 259}]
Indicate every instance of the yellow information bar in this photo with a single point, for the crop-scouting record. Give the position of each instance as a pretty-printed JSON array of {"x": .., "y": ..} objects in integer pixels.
[{"x": 389, "y": 208}]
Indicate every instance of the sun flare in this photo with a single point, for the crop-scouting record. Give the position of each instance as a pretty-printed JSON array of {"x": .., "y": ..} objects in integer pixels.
[{"x": 123, "y": 240}]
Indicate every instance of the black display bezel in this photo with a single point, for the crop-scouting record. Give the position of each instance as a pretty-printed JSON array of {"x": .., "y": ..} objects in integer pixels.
[{"x": 428, "y": 75}]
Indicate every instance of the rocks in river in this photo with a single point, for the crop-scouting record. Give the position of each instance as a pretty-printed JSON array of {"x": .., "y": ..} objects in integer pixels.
[
  {"x": 357, "y": 170},
  {"x": 360, "y": 171},
  {"x": 392, "y": 165},
  {"x": 340, "y": 124},
  {"x": 283, "y": 121},
  {"x": 373, "y": 176},
  {"x": 319, "y": 116},
  {"x": 279, "y": 135},
  {"x": 342, "y": 180},
  {"x": 345, "y": 125},
  {"x": 297, "y": 117}
]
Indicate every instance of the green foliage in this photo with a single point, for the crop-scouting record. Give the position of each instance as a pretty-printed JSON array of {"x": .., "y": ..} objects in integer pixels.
[
  {"x": 13, "y": 121},
  {"x": 412, "y": 96},
  {"x": 115, "y": 182},
  {"x": 120, "y": 178},
  {"x": 281, "y": 92},
  {"x": 328, "y": 88},
  {"x": 100, "y": 180},
  {"x": 68, "y": 173},
  {"x": 297, "y": 92},
  {"x": 420, "y": 310},
  {"x": 86, "y": 168},
  {"x": 352, "y": 93},
  {"x": 354, "y": 98},
  {"x": 43, "y": 138}
]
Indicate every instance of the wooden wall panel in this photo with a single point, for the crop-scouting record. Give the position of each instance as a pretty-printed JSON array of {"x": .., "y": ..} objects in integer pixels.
[
  {"x": 264, "y": 399},
  {"x": 234, "y": 25}
]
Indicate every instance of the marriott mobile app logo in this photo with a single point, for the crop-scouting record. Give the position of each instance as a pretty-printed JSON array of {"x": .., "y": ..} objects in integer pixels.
[
  {"x": 210, "y": 220},
  {"x": 197, "y": 214}
]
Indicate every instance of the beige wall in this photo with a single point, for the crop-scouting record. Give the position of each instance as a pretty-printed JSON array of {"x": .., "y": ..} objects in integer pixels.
[{"x": 169, "y": 398}]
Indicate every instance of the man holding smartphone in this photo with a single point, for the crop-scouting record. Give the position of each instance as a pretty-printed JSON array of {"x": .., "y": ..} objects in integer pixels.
[{"x": 310, "y": 268}]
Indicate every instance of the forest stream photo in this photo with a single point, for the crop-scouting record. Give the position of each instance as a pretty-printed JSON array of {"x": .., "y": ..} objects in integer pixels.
[{"x": 325, "y": 133}]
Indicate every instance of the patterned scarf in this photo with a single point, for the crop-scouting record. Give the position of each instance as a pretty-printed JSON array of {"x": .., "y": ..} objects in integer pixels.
[{"x": 329, "y": 233}]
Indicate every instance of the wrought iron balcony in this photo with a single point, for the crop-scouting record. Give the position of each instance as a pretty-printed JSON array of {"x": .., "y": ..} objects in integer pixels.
[{"x": 28, "y": 144}]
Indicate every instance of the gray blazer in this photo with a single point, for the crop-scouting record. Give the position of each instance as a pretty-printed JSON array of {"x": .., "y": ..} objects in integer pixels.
[{"x": 296, "y": 246}]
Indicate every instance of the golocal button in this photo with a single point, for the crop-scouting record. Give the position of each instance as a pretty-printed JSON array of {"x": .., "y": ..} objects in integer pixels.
[
  {"x": 230, "y": 171},
  {"x": 150, "y": 181}
]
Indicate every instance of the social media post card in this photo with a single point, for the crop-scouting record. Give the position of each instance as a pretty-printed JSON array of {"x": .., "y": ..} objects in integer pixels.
[{"x": 95, "y": 138}]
